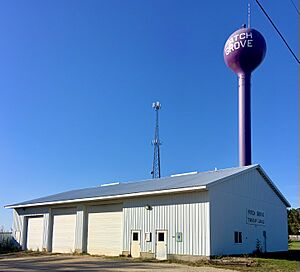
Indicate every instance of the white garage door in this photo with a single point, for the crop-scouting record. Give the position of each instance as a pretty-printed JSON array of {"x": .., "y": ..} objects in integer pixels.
[
  {"x": 105, "y": 230},
  {"x": 63, "y": 239},
  {"x": 35, "y": 233}
]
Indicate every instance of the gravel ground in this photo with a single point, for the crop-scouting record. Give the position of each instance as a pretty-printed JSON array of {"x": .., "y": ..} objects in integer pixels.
[{"x": 18, "y": 263}]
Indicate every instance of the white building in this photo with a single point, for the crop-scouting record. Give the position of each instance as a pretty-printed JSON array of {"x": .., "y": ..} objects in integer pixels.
[{"x": 203, "y": 214}]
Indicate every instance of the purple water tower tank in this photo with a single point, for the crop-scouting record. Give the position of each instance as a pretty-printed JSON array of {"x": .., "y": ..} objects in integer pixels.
[{"x": 244, "y": 50}]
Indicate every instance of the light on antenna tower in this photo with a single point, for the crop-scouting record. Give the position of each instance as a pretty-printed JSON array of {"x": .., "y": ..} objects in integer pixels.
[{"x": 156, "y": 143}]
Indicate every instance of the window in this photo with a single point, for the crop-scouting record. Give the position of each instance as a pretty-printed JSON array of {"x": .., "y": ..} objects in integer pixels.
[
  {"x": 161, "y": 236},
  {"x": 135, "y": 236},
  {"x": 238, "y": 237}
]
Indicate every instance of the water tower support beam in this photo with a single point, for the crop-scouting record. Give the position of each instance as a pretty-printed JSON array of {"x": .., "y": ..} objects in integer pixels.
[{"x": 245, "y": 119}]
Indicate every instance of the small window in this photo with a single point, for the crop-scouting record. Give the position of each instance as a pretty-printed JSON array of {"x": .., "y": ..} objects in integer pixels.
[
  {"x": 161, "y": 236},
  {"x": 135, "y": 236},
  {"x": 238, "y": 237}
]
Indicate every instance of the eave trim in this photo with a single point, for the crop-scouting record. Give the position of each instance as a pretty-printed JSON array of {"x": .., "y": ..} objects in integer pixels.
[{"x": 78, "y": 200}]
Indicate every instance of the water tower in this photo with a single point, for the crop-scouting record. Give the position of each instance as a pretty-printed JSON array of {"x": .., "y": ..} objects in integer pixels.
[{"x": 244, "y": 50}]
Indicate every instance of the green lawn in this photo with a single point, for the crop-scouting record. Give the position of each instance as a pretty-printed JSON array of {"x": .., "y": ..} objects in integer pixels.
[
  {"x": 269, "y": 265},
  {"x": 278, "y": 265},
  {"x": 270, "y": 262},
  {"x": 274, "y": 262}
]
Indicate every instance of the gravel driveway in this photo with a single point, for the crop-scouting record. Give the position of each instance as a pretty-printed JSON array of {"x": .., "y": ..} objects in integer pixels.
[{"x": 18, "y": 263}]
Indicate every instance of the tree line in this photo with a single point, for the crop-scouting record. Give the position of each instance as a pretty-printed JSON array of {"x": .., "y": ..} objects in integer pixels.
[{"x": 293, "y": 221}]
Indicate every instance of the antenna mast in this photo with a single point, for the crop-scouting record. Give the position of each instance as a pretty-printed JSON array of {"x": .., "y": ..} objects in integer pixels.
[
  {"x": 156, "y": 142},
  {"x": 249, "y": 15}
]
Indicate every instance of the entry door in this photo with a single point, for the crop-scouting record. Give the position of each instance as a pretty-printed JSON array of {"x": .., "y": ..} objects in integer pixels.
[
  {"x": 161, "y": 244},
  {"x": 265, "y": 240},
  {"x": 135, "y": 244}
]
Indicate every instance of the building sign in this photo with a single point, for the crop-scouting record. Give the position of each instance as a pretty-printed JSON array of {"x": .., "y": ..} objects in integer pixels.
[
  {"x": 238, "y": 41},
  {"x": 255, "y": 217}
]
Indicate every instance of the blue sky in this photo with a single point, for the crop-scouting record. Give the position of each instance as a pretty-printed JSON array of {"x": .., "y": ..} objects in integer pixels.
[{"x": 77, "y": 80}]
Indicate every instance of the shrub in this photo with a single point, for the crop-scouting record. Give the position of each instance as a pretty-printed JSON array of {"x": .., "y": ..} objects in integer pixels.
[
  {"x": 8, "y": 244},
  {"x": 258, "y": 248}
]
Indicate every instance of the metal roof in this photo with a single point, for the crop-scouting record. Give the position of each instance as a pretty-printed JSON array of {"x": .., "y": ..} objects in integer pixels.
[{"x": 179, "y": 183}]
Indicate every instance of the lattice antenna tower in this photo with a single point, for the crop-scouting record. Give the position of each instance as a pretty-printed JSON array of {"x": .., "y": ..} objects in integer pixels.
[{"x": 156, "y": 143}]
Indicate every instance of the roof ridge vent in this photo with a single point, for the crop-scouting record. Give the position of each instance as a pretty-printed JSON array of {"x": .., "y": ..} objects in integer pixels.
[
  {"x": 109, "y": 184},
  {"x": 184, "y": 174}
]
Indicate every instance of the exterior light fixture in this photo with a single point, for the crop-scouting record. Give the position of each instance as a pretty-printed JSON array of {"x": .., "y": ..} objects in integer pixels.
[{"x": 148, "y": 207}]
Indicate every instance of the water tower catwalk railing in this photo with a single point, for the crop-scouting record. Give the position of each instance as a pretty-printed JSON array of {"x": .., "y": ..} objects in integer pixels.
[{"x": 243, "y": 52}]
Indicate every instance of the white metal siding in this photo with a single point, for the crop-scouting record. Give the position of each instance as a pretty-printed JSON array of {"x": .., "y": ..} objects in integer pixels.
[
  {"x": 48, "y": 224},
  {"x": 105, "y": 230},
  {"x": 229, "y": 201},
  {"x": 187, "y": 213},
  {"x": 20, "y": 223},
  {"x": 35, "y": 231},
  {"x": 20, "y": 218},
  {"x": 63, "y": 239},
  {"x": 17, "y": 227},
  {"x": 81, "y": 230}
]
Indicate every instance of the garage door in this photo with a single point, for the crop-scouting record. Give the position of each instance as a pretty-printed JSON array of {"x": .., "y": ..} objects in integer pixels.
[
  {"x": 63, "y": 239},
  {"x": 105, "y": 230},
  {"x": 35, "y": 233}
]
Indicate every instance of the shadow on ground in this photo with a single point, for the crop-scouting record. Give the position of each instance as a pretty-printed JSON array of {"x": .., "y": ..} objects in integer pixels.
[
  {"x": 291, "y": 255},
  {"x": 78, "y": 263}
]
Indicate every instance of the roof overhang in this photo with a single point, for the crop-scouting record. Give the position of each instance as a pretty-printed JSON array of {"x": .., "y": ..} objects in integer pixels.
[
  {"x": 99, "y": 198},
  {"x": 273, "y": 186}
]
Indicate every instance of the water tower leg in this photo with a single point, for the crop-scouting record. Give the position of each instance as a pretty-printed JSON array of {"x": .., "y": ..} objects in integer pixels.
[{"x": 245, "y": 119}]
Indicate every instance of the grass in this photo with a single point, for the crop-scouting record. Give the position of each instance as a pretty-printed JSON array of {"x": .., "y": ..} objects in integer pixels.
[
  {"x": 247, "y": 264},
  {"x": 277, "y": 265},
  {"x": 262, "y": 265},
  {"x": 270, "y": 262}
]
